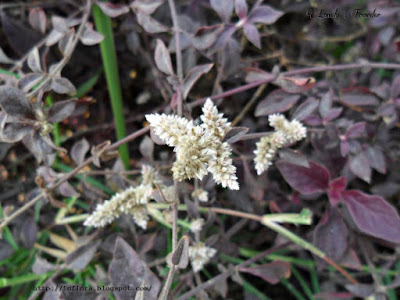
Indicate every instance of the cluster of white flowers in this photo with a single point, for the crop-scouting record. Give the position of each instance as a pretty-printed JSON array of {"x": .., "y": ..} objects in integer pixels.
[
  {"x": 199, "y": 148},
  {"x": 200, "y": 255},
  {"x": 285, "y": 132},
  {"x": 201, "y": 194},
  {"x": 132, "y": 201},
  {"x": 197, "y": 225}
]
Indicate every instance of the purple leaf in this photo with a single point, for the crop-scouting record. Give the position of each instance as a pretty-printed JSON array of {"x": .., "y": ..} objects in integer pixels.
[
  {"x": 223, "y": 8},
  {"x": 331, "y": 234},
  {"x": 254, "y": 74},
  {"x": 14, "y": 132},
  {"x": 112, "y": 10},
  {"x": 146, "y": 6},
  {"x": 305, "y": 109},
  {"x": 53, "y": 37},
  {"x": 37, "y": 19},
  {"x": 128, "y": 269},
  {"x": 362, "y": 290},
  {"x": 325, "y": 105},
  {"x": 146, "y": 148},
  {"x": 194, "y": 75},
  {"x": 264, "y": 14},
  {"x": 395, "y": 89},
  {"x": 359, "y": 97},
  {"x": 305, "y": 180},
  {"x": 252, "y": 34},
  {"x": 241, "y": 8},
  {"x": 61, "y": 110},
  {"x": 235, "y": 134},
  {"x": 361, "y": 167},
  {"x": 276, "y": 101},
  {"x": 29, "y": 81},
  {"x": 82, "y": 256},
  {"x": 356, "y": 130},
  {"x": 91, "y": 37},
  {"x": 5, "y": 250},
  {"x": 377, "y": 159},
  {"x": 336, "y": 187},
  {"x": 333, "y": 296},
  {"x": 34, "y": 60},
  {"x": 4, "y": 59},
  {"x": 206, "y": 36},
  {"x": 14, "y": 102},
  {"x": 63, "y": 86},
  {"x": 41, "y": 265},
  {"x": 60, "y": 24},
  {"x": 332, "y": 114},
  {"x": 373, "y": 215},
  {"x": 163, "y": 59},
  {"x": 29, "y": 232},
  {"x": 271, "y": 272},
  {"x": 67, "y": 190},
  {"x": 294, "y": 157},
  {"x": 295, "y": 84},
  {"x": 150, "y": 24},
  {"x": 344, "y": 148}
]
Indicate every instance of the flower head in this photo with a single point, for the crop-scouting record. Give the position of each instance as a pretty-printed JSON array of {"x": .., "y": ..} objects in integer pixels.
[
  {"x": 197, "y": 225},
  {"x": 201, "y": 194},
  {"x": 200, "y": 255}
]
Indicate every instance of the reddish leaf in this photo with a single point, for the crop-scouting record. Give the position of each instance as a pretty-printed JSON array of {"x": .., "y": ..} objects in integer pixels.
[
  {"x": 271, "y": 272},
  {"x": 128, "y": 269},
  {"x": 163, "y": 59},
  {"x": 361, "y": 167},
  {"x": 276, "y": 101},
  {"x": 206, "y": 36},
  {"x": 264, "y": 14},
  {"x": 194, "y": 75},
  {"x": 336, "y": 187},
  {"x": 254, "y": 74},
  {"x": 252, "y": 34},
  {"x": 112, "y": 10},
  {"x": 295, "y": 84},
  {"x": 305, "y": 180},
  {"x": 373, "y": 215},
  {"x": 356, "y": 130},
  {"x": 241, "y": 8},
  {"x": 37, "y": 19},
  {"x": 344, "y": 148},
  {"x": 331, "y": 234},
  {"x": 333, "y": 296}
]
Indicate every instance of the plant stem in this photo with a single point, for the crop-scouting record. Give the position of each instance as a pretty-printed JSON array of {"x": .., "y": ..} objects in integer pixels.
[{"x": 108, "y": 54}]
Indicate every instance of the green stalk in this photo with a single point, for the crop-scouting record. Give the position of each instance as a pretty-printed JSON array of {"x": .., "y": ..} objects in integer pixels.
[{"x": 108, "y": 54}]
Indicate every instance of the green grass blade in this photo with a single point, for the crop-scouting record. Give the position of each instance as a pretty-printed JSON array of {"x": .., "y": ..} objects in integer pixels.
[
  {"x": 303, "y": 282},
  {"x": 107, "y": 47},
  {"x": 85, "y": 87},
  {"x": 292, "y": 289}
]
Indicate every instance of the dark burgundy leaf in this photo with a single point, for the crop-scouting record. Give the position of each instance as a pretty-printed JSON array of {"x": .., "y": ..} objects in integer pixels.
[
  {"x": 331, "y": 235},
  {"x": 376, "y": 158},
  {"x": 294, "y": 157},
  {"x": 63, "y": 86},
  {"x": 241, "y": 8},
  {"x": 264, "y": 14},
  {"x": 14, "y": 132},
  {"x": 41, "y": 265},
  {"x": 276, "y": 101},
  {"x": 271, "y": 272},
  {"x": 373, "y": 215},
  {"x": 128, "y": 269},
  {"x": 336, "y": 187},
  {"x": 223, "y": 8},
  {"x": 305, "y": 180},
  {"x": 254, "y": 74},
  {"x": 112, "y": 10},
  {"x": 150, "y": 24},
  {"x": 146, "y": 6},
  {"x": 82, "y": 256},
  {"x": 14, "y": 102},
  {"x": 235, "y": 134},
  {"x": 61, "y": 110},
  {"x": 206, "y": 36},
  {"x": 163, "y": 59},
  {"x": 252, "y": 34},
  {"x": 360, "y": 166},
  {"x": 91, "y": 37},
  {"x": 360, "y": 290},
  {"x": 305, "y": 109},
  {"x": 356, "y": 130},
  {"x": 351, "y": 260},
  {"x": 29, "y": 81},
  {"x": 359, "y": 97},
  {"x": 79, "y": 150},
  {"x": 295, "y": 84},
  {"x": 194, "y": 75}
]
